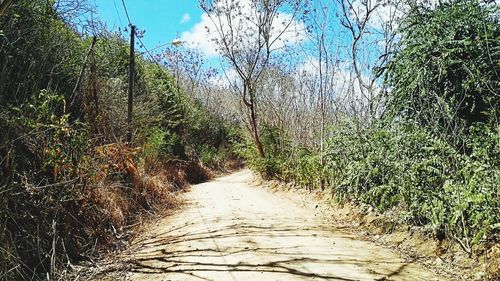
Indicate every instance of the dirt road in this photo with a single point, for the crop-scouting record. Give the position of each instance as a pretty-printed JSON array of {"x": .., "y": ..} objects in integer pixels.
[{"x": 233, "y": 231}]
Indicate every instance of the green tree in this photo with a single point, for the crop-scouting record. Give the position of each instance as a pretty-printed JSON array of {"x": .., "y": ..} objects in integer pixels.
[{"x": 446, "y": 71}]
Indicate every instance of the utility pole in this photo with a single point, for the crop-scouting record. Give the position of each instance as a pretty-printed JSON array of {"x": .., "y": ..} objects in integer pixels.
[{"x": 131, "y": 75}]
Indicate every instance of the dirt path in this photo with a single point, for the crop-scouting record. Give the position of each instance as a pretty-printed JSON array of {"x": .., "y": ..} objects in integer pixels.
[{"x": 232, "y": 231}]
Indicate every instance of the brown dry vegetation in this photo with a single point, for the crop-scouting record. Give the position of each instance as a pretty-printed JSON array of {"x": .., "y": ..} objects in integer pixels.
[
  {"x": 70, "y": 187},
  {"x": 120, "y": 187}
]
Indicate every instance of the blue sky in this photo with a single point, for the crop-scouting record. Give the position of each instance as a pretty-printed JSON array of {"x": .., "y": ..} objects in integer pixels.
[{"x": 163, "y": 20}]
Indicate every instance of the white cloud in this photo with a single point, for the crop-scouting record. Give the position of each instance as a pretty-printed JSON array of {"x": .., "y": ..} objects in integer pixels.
[
  {"x": 198, "y": 37},
  {"x": 203, "y": 34},
  {"x": 227, "y": 79},
  {"x": 185, "y": 18}
]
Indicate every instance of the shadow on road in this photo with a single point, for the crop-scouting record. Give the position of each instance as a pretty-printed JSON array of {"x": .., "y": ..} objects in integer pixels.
[{"x": 232, "y": 248}]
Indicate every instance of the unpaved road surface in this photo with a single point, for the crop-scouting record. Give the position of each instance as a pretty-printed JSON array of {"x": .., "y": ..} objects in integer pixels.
[{"x": 231, "y": 230}]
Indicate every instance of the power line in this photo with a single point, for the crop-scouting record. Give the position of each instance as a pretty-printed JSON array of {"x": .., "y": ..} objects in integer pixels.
[
  {"x": 118, "y": 14},
  {"x": 151, "y": 56},
  {"x": 126, "y": 12},
  {"x": 161, "y": 46},
  {"x": 133, "y": 34},
  {"x": 145, "y": 49},
  {"x": 139, "y": 38}
]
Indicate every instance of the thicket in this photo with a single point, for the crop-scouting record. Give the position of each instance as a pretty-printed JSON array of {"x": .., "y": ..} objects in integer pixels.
[
  {"x": 433, "y": 157},
  {"x": 69, "y": 185}
]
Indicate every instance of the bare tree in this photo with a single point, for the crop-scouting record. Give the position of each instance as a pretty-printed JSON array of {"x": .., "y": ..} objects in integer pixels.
[
  {"x": 372, "y": 25},
  {"x": 190, "y": 69},
  {"x": 81, "y": 15},
  {"x": 325, "y": 59},
  {"x": 247, "y": 32},
  {"x": 356, "y": 15}
]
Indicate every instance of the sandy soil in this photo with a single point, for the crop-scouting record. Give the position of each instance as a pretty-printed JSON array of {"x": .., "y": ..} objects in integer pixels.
[{"x": 230, "y": 230}]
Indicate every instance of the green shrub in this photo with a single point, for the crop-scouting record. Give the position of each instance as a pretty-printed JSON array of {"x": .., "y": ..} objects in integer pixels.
[
  {"x": 428, "y": 180},
  {"x": 306, "y": 169},
  {"x": 37, "y": 183},
  {"x": 445, "y": 71},
  {"x": 434, "y": 156},
  {"x": 400, "y": 166}
]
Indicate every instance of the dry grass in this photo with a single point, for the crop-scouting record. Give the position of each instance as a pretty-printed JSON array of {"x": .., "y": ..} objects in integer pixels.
[
  {"x": 123, "y": 186},
  {"x": 120, "y": 190},
  {"x": 493, "y": 263},
  {"x": 113, "y": 188},
  {"x": 198, "y": 172},
  {"x": 111, "y": 200}
]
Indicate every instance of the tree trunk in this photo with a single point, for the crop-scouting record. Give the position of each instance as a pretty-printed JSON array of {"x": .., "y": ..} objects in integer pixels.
[
  {"x": 253, "y": 122},
  {"x": 258, "y": 143}
]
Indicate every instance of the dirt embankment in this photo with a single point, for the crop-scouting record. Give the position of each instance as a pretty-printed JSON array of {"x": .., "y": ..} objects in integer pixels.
[{"x": 443, "y": 256}]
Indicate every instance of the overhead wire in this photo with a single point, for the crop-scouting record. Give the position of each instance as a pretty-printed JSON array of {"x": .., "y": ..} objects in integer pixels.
[
  {"x": 160, "y": 46},
  {"x": 118, "y": 14},
  {"x": 126, "y": 12},
  {"x": 147, "y": 51},
  {"x": 145, "y": 48}
]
